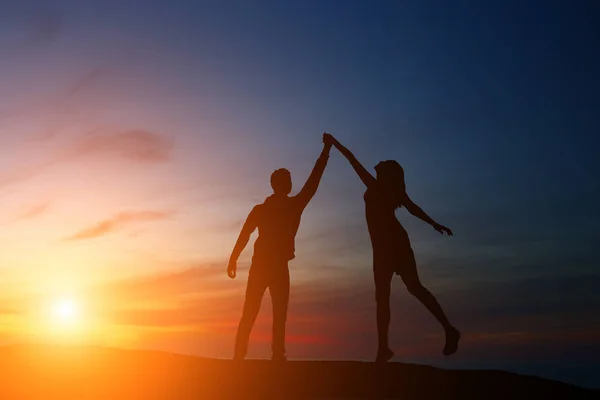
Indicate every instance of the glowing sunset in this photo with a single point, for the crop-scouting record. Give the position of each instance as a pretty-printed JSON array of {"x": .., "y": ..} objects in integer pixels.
[{"x": 136, "y": 140}]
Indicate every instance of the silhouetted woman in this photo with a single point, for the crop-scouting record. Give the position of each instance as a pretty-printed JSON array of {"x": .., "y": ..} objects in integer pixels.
[{"x": 392, "y": 252}]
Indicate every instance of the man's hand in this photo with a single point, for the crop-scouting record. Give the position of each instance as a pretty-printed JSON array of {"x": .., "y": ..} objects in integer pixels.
[
  {"x": 232, "y": 269},
  {"x": 441, "y": 229}
]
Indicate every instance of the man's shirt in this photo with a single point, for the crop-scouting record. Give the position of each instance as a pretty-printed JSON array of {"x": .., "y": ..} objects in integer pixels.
[{"x": 278, "y": 219}]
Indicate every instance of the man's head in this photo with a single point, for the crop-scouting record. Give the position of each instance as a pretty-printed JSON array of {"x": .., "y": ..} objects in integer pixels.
[{"x": 281, "y": 181}]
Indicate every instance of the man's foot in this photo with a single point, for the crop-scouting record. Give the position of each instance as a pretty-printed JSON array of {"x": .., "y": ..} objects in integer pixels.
[
  {"x": 384, "y": 355},
  {"x": 452, "y": 338}
]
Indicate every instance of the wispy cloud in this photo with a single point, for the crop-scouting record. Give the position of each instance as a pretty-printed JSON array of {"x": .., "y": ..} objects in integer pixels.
[
  {"x": 137, "y": 145},
  {"x": 37, "y": 26},
  {"x": 46, "y": 26},
  {"x": 23, "y": 174},
  {"x": 33, "y": 211},
  {"x": 117, "y": 222},
  {"x": 90, "y": 79},
  {"x": 63, "y": 105}
]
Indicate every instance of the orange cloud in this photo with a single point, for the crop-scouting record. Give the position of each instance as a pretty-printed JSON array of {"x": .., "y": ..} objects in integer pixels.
[
  {"x": 200, "y": 299},
  {"x": 117, "y": 222},
  {"x": 8, "y": 310},
  {"x": 165, "y": 286}
]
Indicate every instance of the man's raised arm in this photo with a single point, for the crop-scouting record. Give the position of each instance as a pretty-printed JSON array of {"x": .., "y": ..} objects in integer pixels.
[
  {"x": 312, "y": 183},
  {"x": 249, "y": 226}
]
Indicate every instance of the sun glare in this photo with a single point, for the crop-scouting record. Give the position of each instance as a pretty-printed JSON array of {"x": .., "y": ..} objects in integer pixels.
[
  {"x": 66, "y": 319},
  {"x": 65, "y": 310}
]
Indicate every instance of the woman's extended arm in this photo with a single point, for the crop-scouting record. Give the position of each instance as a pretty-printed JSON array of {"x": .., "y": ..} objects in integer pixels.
[
  {"x": 363, "y": 174},
  {"x": 419, "y": 213}
]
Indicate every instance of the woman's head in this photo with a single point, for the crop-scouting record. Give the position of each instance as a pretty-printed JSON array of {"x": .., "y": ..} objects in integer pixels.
[
  {"x": 391, "y": 175},
  {"x": 390, "y": 171}
]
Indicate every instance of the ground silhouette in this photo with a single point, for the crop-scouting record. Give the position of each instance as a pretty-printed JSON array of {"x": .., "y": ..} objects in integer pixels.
[{"x": 44, "y": 372}]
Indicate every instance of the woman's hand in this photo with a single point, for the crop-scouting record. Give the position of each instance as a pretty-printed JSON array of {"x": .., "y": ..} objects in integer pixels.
[
  {"x": 329, "y": 140},
  {"x": 441, "y": 229},
  {"x": 363, "y": 174}
]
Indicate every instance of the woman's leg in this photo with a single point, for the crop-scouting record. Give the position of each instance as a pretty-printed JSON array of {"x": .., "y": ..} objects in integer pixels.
[
  {"x": 383, "y": 279},
  {"x": 411, "y": 279}
]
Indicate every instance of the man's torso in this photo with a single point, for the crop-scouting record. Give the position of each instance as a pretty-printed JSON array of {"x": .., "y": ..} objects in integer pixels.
[{"x": 278, "y": 223}]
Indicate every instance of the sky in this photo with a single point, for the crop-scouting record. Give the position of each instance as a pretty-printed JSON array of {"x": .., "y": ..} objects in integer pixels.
[{"x": 136, "y": 136}]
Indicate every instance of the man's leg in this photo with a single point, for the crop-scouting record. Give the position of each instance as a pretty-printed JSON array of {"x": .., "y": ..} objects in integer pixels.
[
  {"x": 279, "y": 286},
  {"x": 255, "y": 290}
]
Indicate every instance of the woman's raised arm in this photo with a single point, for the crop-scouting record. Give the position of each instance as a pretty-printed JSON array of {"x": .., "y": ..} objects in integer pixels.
[{"x": 363, "y": 174}]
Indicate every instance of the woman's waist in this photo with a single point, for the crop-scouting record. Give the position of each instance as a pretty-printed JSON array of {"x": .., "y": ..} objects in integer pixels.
[
  {"x": 384, "y": 222},
  {"x": 387, "y": 231}
]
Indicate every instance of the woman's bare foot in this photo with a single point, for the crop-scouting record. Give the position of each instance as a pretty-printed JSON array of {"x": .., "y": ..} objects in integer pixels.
[
  {"x": 452, "y": 338},
  {"x": 384, "y": 355}
]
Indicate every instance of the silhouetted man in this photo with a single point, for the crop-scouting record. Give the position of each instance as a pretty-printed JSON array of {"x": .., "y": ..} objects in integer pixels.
[{"x": 277, "y": 220}]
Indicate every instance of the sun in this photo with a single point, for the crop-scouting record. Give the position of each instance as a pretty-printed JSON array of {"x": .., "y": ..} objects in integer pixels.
[
  {"x": 67, "y": 320},
  {"x": 65, "y": 310}
]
